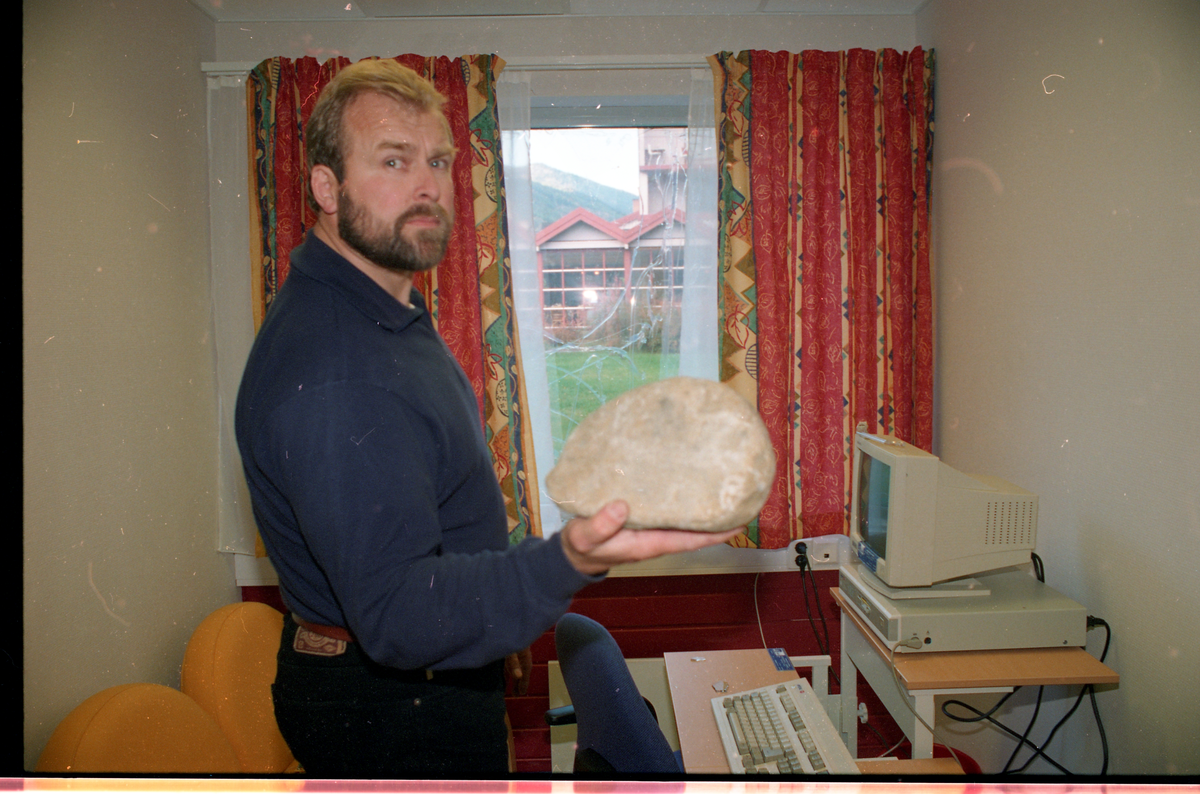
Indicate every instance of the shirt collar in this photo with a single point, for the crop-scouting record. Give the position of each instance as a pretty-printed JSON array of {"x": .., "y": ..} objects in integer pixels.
[{"x": 318, "y": 261}]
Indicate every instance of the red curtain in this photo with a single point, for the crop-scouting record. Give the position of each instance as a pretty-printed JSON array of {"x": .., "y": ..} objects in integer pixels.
[
  {"x": 469, "y": 294},
  {"x": 825, "y": 296}
]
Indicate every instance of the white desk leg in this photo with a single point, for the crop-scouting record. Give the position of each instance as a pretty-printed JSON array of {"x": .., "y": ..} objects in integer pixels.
[
  {"x": 922, "y": 739},
  {"x": 923, "y": 705},
  {"x": 860, "y": 656},
  {"x": 849, "y": 674}
]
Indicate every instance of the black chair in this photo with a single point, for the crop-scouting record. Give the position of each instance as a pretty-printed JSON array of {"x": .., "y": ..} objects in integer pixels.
[{"x": 617, "y": 728}]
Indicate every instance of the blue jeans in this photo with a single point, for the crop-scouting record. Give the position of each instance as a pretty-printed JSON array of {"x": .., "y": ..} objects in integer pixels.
[{"x": 347, "y": 717}]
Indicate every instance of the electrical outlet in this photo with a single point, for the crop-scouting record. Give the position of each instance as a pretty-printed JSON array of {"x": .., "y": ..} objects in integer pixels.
[{"x": 826, "y": 552}]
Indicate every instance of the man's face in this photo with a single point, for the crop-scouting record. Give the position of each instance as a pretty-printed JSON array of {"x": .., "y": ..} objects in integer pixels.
[{"x": 396, "y": 200}]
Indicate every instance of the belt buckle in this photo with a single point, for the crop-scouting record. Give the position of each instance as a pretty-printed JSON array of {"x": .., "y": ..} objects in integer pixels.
[{"x": 313, "y": 644}]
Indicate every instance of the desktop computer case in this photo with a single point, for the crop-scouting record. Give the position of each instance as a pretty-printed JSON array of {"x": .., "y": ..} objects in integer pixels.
[{"x": 1019, "y": 612}]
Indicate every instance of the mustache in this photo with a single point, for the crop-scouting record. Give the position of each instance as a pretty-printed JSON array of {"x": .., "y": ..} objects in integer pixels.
[{"x": 423, "y": 211}]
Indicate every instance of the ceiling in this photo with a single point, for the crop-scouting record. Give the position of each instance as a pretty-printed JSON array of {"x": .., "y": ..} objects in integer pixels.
[{"x": 308, "y": 10}]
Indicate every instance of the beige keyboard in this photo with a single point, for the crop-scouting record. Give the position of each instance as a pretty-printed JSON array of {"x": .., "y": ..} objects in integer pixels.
[{"x": 780, "y": 729}]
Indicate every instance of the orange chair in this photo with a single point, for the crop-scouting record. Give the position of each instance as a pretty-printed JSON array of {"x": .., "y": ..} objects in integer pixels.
[
  {"x": 228, "y": 668},
  {"x": 138, "y": 729}
]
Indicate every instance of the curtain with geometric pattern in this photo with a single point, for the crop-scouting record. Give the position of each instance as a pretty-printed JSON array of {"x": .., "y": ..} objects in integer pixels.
[
  {"x": 469, "y": 294},
  {"x": 825, "y": 294}
]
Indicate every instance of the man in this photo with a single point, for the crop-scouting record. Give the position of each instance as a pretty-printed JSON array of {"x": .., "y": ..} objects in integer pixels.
[{"x": 370, "y": 480}]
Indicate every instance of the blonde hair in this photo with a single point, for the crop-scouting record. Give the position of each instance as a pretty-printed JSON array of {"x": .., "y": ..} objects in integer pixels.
[{"x": 324, "y": 133}]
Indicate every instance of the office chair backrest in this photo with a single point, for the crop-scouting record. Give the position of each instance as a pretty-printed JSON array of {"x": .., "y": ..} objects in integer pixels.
[
  {"x": 138, "y": 729},
  {"x": 228, "y": 668},
  {"x": 616, "y": 731}
]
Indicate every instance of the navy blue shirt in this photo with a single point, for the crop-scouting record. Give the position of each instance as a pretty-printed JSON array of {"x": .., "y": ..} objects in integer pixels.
[{"x": 371, "y": 483}]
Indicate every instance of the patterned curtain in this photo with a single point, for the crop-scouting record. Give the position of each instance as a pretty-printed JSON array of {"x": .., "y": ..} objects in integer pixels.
[
  {"x": 469, "y": 295},
  {"x": 825, "y": 295}
]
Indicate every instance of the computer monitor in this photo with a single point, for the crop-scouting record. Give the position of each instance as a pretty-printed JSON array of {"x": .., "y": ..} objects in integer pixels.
[{"x": 915, "y": 521}]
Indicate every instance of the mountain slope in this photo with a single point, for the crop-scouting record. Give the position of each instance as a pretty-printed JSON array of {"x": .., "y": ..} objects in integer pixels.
[{"x": 555, "y": 193}]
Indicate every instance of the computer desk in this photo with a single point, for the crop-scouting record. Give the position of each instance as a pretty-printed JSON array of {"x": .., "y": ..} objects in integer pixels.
[
  {"x": 926, "y": 675},
  {"x": 691, "y": 677}
]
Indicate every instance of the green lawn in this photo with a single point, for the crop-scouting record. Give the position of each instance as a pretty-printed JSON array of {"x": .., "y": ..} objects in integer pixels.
[{"x": 583, "y": 380}]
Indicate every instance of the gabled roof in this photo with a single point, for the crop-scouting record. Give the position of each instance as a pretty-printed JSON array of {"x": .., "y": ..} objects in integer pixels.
[
  {"x": 578, "y": 215},
  {"x": 625, "y": 230}
]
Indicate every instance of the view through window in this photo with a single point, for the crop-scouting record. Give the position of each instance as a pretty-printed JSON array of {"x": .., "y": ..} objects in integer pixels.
[{"x": 609, "y": 215}]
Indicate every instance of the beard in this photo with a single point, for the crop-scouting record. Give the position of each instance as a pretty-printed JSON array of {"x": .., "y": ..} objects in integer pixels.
[{"x": 392, "y": 250}]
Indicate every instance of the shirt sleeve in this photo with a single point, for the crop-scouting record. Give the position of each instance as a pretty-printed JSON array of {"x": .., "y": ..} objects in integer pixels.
[{"x": 367, "y": 477}]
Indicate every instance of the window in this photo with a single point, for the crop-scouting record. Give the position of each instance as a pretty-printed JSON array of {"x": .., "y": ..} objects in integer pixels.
[
  {"x": 580, "y": 277},
  {"x": 610, "y": 214}
]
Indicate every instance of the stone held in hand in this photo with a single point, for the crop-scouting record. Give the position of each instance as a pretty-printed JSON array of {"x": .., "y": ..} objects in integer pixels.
[{"x": 684, "y": 453}]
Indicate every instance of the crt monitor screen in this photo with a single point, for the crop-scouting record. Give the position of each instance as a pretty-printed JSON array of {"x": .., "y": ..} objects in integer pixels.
[{"x": 875, "y": 478}]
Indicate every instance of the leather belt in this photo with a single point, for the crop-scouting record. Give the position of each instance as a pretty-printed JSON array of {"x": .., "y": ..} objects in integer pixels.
[
  {"x": 339, "y": 636},
  {"x": 332, "y": 632}
]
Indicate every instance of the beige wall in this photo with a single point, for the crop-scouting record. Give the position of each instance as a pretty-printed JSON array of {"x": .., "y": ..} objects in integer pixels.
[
  {"x": 1067, "y": 231},
  {"x": 1066, "y": 242},
  {"x": 120, "y": 560}
]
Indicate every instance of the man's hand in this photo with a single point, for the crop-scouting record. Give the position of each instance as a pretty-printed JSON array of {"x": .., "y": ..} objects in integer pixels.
[
  {"x": 593, "y": 545},
  {"x": 518, "y": 667}
]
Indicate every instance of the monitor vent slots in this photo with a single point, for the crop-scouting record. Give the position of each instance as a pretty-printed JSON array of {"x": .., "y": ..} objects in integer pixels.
[{"x": 1010, "y": 522}]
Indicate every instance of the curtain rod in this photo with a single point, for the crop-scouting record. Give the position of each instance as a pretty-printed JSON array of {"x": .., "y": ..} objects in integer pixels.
[{"x": 568, "y": 63}]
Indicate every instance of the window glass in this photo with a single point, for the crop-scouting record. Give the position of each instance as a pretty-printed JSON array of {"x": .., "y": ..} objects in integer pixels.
[{"x": 609, "y": 215}]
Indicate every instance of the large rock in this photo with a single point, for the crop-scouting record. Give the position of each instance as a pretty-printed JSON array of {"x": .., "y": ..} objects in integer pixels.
[{"x": 683, "y": 452}]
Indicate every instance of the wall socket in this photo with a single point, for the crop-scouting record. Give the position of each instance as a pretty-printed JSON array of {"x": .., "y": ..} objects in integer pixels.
[{"x": 825, "y": 552}]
